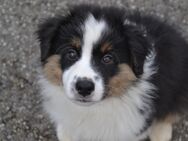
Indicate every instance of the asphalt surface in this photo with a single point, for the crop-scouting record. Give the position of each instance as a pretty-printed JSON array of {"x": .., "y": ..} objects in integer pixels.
[{"x": 21, "y": 115}]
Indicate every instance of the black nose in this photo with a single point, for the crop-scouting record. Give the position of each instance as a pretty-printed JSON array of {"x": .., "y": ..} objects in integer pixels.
[{"x": 85, "y": 87}]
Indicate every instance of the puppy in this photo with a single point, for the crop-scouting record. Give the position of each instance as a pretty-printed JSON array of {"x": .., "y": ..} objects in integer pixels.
[{"x": 112, "y": 75}]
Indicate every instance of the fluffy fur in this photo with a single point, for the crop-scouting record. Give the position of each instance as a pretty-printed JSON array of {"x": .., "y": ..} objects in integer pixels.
[{"x": 134, "y": 63}]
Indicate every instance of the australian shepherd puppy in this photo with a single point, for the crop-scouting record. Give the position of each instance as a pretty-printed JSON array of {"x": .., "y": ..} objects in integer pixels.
[{"x": 112, "y": 75}]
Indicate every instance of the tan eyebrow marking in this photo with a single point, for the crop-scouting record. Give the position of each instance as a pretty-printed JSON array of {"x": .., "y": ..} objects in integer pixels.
[
  {"x": 106, "y": 47},
  {"x": 75, "y": 42}
]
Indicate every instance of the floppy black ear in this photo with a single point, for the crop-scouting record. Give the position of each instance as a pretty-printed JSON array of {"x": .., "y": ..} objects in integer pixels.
[
  {"x": 46, "y": 34},
  {"x": 138, "y": 46}
]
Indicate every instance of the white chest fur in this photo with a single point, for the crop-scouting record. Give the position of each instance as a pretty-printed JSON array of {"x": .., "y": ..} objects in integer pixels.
[{"x": 113, "y": 119}]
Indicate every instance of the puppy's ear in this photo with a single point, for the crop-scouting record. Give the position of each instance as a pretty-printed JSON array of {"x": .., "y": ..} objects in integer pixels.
[
  {"x": 46, "y": 33},
  {"x": 138, "y": 46}
]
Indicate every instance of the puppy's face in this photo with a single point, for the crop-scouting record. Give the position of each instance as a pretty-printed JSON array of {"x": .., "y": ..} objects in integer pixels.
[{"x": 88, "y": 56}]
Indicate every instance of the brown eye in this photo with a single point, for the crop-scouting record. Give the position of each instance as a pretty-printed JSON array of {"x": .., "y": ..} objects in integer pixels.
[
  {"x": 72, "y": 54},
  {"x": 107, "y": 59}
]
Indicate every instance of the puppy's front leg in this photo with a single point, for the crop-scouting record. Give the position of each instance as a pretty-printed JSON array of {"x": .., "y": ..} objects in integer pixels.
[
  {"x": 62, "y": 136},
  {"x": 162, "y": 130}
]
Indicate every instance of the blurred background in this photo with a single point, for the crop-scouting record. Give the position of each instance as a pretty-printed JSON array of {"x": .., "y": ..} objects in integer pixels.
[{"x": 21, "y": 115}]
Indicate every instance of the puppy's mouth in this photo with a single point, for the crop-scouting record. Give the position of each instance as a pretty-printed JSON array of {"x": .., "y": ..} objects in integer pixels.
[{"x": 83, "y": 101}]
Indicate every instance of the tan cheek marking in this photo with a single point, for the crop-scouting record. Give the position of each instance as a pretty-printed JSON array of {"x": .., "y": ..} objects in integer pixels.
[
  {"x": 106, "y": 47},
  {"x": 52, "y": 70},
  {"x": 75, "y": 42},
  {"x": 121, "y": 81}
]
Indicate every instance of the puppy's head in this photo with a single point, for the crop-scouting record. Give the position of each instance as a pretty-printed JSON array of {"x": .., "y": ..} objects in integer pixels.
[{"x": 91, "y": 53}]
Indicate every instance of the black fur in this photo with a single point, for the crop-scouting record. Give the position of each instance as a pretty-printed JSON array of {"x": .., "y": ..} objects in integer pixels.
[{"x": 132, "y": 42}]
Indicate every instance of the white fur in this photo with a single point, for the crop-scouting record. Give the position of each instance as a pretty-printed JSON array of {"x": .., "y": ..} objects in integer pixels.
[
  {"x": 92, "y": 33},
  {"x": 112, "y": 119},
  {"x": 82, "y": 68}
]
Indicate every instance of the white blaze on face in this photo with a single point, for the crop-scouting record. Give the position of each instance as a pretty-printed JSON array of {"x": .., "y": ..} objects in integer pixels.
[{"x": 92, "y": 31}]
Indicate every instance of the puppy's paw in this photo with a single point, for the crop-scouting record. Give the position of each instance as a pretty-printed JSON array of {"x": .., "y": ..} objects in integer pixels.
[{"x": 161, "y": 132}]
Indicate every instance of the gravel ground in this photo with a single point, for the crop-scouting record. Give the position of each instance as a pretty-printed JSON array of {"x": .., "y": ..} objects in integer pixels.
[{"x": 21, "y": 115}]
